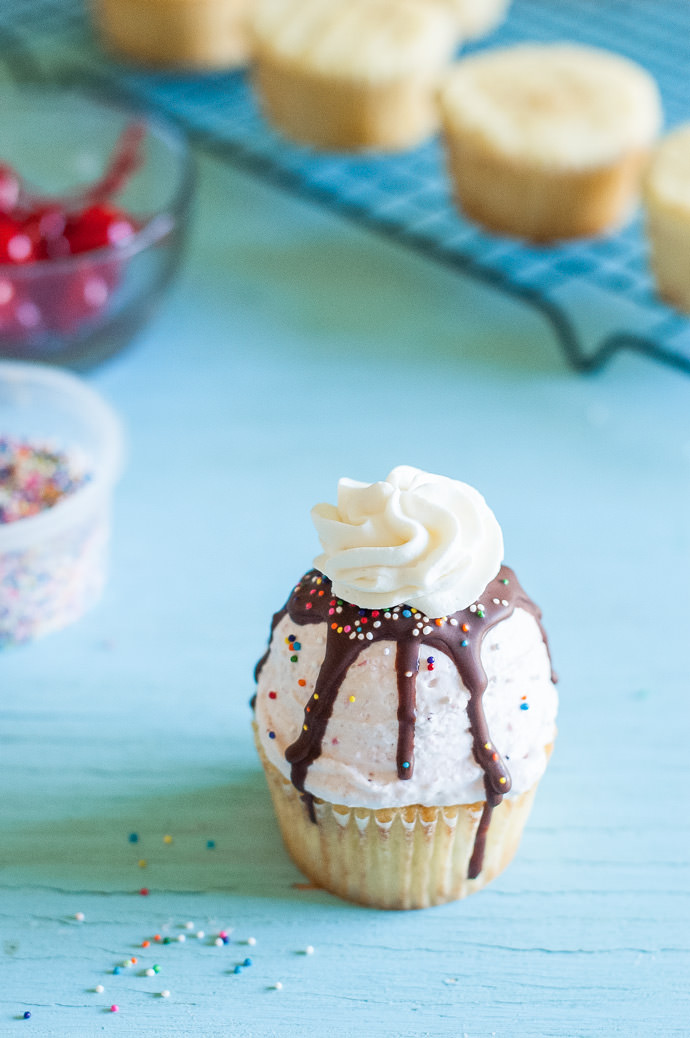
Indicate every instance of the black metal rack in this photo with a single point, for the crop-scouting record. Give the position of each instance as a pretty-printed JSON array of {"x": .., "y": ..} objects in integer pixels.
[{"x": 596, "y": 293}]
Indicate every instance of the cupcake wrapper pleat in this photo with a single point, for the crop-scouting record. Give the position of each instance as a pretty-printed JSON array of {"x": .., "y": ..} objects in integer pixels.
[{"x": 397, "y": 858}]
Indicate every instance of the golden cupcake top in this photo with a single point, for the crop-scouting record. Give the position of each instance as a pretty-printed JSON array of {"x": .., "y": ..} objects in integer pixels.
[
  {"x": 371, "y": 39},
  {"x": 668, "y": 177},
  {"x": 476, "y": 18},
  {"x": 553, "y": 104}
]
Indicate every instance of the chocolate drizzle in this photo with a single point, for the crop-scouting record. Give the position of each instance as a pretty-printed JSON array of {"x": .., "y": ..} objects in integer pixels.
[
  {"x": 406, "y": 667},
  {"x": 460, "y": 636}
]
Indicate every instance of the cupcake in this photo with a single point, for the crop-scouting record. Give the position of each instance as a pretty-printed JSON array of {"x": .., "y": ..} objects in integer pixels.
[
  {"x": 477, "y": 18},
  {"x": 405, "y": 707},
  {"x": 548, "y": 141},
  {"x": 192, "y": 34},
  {"x": 667, "y": 204},
  {"x": 351, "y": 74}
]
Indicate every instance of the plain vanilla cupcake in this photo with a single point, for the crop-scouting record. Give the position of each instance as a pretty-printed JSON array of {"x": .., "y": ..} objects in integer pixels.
[
  {"x": 351, "y": 74},
  {"x": 405, "y": 708},
  {"x": 477, "y": 18},
  {"x": 548, "y": 141},
  {"x": 194, "y": 34},
  {"x": 667, "y": 204}
]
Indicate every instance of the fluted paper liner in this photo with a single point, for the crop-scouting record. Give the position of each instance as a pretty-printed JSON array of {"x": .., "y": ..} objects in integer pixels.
[{"x": 403, "y": 857}]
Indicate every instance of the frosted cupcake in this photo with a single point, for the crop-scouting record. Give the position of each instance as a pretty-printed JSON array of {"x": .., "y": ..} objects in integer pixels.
[{"x": 405, "y": 708}]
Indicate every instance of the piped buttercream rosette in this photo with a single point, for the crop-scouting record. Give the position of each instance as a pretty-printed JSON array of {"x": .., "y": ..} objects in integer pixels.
[{"x": 416, "y": 538}]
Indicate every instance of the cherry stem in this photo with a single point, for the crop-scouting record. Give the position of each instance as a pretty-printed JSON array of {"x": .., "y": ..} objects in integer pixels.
[{"x": 124, "y": 162}]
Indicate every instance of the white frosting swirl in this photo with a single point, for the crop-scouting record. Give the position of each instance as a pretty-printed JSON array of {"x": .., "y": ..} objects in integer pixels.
[{"x": 428, "y": 541}]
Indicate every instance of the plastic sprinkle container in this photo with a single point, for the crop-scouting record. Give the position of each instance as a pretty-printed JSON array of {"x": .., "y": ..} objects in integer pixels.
[{"x": 61, "y": 453}]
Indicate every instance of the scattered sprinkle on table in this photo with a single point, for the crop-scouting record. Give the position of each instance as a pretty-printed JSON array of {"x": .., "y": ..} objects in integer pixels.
[
  {"x": 223, "y": 937},
  {"x": 79, "y": 916},
  {"x": 27, "y": 1015}
]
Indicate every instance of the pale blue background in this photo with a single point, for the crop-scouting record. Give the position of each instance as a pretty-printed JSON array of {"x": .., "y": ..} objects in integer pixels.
[{"x": 293, "y": 350}]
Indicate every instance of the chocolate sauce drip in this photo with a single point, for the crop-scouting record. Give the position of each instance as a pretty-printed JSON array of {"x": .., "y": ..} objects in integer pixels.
[
  {"x": 477, "y": 859},
  {"x": 308, "y": 800},
  {"x": 460, "y": 636},
  {"x": 318, "y": 710},
  {"x": 406, "y": 666}
]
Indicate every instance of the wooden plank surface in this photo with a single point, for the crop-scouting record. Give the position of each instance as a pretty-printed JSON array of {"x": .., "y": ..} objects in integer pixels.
[{"x": 295, "y": 350}]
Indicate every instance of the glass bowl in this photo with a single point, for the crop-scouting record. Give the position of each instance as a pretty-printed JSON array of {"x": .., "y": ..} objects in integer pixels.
[
  {"x": 53, "y": 563},
  {"x": 80, "y": 308}
]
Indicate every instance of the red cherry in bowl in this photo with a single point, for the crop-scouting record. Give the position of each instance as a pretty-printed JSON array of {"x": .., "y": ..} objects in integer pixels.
[
  {"x": 45, "y": 226},
  {"x": 82, "y": 298},
  {"x": 97, "y": 227},
  {"x": 15, "y": 244},
  {"x": 69, "y": 299},
  {"x": 20, "y": 318}
]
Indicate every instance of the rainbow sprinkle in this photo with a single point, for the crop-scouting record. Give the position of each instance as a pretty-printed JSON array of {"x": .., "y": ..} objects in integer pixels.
[
  {"x": 33, "y": 478},
  {"x": 52, "y": 578}
]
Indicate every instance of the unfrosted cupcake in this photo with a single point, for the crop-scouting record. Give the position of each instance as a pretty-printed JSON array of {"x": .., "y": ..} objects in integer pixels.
[
  {"x": 194, "y": 34},
  {"x": 548, "y": 141},
  {"x": 351, "y": 74},
  {"x": 667, "y": 204},
  {"x": 405, "y": 708},
  {"x": 477, "y": 18}
]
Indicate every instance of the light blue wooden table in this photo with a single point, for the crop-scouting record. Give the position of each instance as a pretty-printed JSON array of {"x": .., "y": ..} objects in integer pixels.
[{"x": 293, "y": 350}]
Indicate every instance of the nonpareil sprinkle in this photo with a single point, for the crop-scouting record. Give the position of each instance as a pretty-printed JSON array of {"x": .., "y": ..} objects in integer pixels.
[{"x": 33, "y": 478}]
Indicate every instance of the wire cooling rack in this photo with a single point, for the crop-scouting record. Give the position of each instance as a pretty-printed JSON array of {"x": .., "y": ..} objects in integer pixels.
[{"x": 596, "y": 293}]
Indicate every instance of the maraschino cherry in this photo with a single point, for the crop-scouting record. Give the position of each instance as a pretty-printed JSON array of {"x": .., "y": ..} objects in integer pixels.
[
  {"x": 36, "y": 229},
  {"x": 15, "y": 244},
  {"x": 97, "y": 227}
]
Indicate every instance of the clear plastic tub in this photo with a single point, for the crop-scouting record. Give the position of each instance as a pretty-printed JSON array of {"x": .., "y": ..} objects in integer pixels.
[{"x": 53, "y": 564}]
